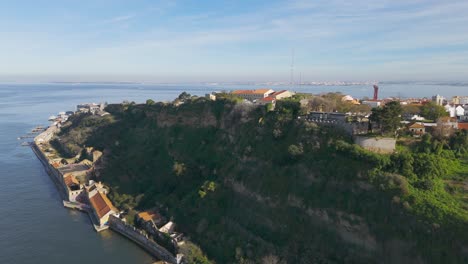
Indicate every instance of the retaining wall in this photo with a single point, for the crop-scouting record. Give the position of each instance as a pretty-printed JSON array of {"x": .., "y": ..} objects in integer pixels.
[
  {"x": 54, "y": 174},
  {"x": 133, "y": 234},
  {"x": 376, "y": 144}
]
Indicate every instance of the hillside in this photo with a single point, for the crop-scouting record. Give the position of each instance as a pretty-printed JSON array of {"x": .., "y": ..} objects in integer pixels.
[{"x": 255, "y": 186}]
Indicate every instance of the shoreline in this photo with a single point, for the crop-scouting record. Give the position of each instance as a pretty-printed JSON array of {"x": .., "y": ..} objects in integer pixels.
[{"x": 114, "y": 223}]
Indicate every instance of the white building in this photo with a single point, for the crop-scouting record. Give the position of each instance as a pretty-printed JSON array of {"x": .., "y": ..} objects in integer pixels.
[
  {"x": 438, "y": 99},
  {"x": 460, "y": 100},
  {"x": 464, "y": 117},
  {"x": 373, "y": 104},
  {"x": 282, "y": 94},
  {"x": 451, "y": 110},
  {"x": 459, "y": 111}
]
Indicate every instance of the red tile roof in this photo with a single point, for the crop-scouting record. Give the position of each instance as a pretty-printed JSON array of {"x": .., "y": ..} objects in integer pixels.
[
  {"x": 101, "y": 204},
  {"x": 463, "y": 126},
  {"x": 258, "y": 91},
  {"x": 268, "y": 99},
  {"x": 149, "y": 215},
  {"x": 416, "y": 125},
  {"x": 279, "y": 92},
  {"x": 70, "y": 180}
]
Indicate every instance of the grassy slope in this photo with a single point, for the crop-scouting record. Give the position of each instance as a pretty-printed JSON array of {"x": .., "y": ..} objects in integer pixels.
[{"x": 326, "y": 204}]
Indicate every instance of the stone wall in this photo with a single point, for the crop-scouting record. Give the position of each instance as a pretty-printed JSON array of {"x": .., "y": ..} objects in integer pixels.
[
  {"x": 376, "y": 144},
  {"x": 136, "y": 236},
  {"x": 54, "y": 174}
]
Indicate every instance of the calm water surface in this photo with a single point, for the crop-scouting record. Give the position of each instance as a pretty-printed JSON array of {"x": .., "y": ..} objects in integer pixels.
[{"x": 34, "y": 226}]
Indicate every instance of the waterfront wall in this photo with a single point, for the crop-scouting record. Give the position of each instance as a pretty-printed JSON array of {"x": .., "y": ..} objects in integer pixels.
[
  {"x": 133, "y": 234},
  {"x": 54, "y": 174},
  {"x": 376, "y": 144}
]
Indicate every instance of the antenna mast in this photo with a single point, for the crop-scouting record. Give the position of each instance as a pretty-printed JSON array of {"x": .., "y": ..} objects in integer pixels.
[
  {"x": 300, "y": 79},
  {"x": 292, "y": 69}
]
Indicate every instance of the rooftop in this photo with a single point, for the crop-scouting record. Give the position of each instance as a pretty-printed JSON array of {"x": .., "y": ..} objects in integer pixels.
[
  {"x": 268, "y": 99},
  {"x": 416, "y": 125},
  {"x": 101, "y": 204},
  {"x": 149, "y": 215},
  {"x": 279, "y": 92},
  {"x": 463, "y": 126},
  {"x": 258, "y": 91},
  {"x": 73, "y": 168},
  {"x": 70, "y": 180}
]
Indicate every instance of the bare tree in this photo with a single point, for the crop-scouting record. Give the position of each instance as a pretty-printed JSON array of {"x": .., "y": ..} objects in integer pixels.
[
  {"x": 271, "y": 259},
  {"x": 444, "y": 128}
]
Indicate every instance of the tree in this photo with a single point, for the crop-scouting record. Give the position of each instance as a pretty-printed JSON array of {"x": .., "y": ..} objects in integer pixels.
[
  {"x": 433, "y": 111},
  {"x": 184, "y": 96},
  {"x": 178, "y": 168},
  {"x": 150, "y": 102},
  {"x": 430, "y": 166},
  {"x": 193, "y": 253},
  {"x": 295, "y": 151},
  {"x": 388, "y": 118},
  {"x": 411, "y": 109},
  {"x": 271, "y": 259},
  {"x": 444, "y": 128}
]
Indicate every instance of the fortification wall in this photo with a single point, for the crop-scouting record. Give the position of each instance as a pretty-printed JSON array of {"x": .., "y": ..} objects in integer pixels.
[
  {"x": 376, "y": 144},
  {"x": 136, "y": 236},
  {"x": 51, "y": 171}
]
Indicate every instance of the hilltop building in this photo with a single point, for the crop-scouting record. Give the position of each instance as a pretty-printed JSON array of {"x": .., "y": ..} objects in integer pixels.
[
  {"x": 350, "y": 99},
  {"x": 253, "y": 95},
  {"x": 372, "y": 103},
  {"x": 92, "y": 108},
  {"x": 282, "y": 94},
  {"x": 417, "y": 129}
]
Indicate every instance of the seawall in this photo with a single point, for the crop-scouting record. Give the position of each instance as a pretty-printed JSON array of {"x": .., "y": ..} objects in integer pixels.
[
  {"x": 150, "y": 246},
  {"x": 53, "y": 173}
]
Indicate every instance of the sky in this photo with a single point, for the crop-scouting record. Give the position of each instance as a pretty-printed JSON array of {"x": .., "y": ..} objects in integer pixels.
[{"x": 233, "y": 40}]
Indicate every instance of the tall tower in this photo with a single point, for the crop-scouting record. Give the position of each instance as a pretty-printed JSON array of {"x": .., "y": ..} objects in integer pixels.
[
  {"x": 292, "y": 68},
  {"x": 376, "y": 92}
]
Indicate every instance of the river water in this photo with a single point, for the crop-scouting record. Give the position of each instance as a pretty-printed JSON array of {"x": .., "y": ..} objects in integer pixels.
[{"x": 34, "y": 226}]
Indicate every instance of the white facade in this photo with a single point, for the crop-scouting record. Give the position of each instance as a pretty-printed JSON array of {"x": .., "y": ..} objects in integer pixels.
[
  {"x": 460, "y": 100},
  {"x": 417, "y": 118},
  {"x": 459, "y": 111},
  {"x": 438, "y": 99},
  {"x": 451, "y": 110},
  {"x": 283, "y": 94},
  {"x": 372, "y": 104}
]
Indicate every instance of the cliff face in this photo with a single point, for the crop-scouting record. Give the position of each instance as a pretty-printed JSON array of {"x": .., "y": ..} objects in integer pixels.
[{"x": 250, "y": 185}]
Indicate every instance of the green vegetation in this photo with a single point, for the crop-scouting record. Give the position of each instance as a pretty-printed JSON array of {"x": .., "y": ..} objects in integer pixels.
[
  {"x": 331, "y": 102},
  {"x": 432, "y": 111},
  {"x": 194, "y": 254},
  {"x": 251, "y": 186},
  {"x": 387, "y": 118}
]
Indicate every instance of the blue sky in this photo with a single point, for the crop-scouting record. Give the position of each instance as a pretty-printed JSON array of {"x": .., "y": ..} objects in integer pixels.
[{"x": 181, "y": 41}]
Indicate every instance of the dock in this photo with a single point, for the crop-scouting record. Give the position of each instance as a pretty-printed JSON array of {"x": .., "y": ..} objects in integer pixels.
[{"x": 85, "y": 209}]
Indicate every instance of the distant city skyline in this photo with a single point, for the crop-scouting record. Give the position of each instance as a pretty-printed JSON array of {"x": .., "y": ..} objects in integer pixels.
[{"x": 178, "y": 41}]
